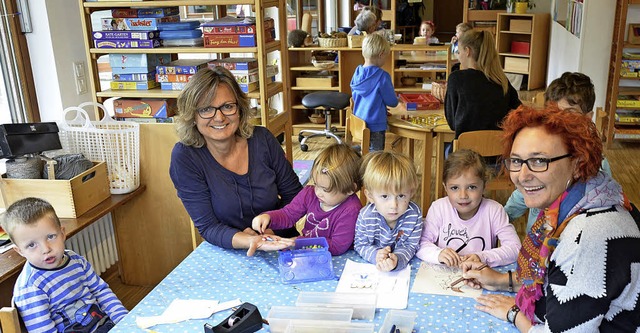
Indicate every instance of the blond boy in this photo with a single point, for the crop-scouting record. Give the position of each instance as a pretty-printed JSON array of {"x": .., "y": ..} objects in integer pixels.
[{"x": 57, "y": 290}]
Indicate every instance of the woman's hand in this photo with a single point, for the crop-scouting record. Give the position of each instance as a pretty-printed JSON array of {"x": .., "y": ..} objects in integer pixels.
[
  {"x": 260, "y": 223},
  {"x": 486, "y": 278},
  {"x": 495, "y": 305},
  {"x": 449, "y": 257},
  {"x": 268, "y": 243}
]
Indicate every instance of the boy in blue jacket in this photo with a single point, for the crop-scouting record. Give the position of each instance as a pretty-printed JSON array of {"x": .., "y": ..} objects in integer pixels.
[{"x": 372, "y": 89}]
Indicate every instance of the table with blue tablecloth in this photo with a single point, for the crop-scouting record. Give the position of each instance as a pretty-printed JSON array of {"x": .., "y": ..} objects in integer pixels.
[{"x": 213, "y": 273}]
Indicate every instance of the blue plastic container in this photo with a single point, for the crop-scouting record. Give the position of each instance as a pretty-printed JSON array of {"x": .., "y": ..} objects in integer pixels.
[{"x": 308, "y": 261}]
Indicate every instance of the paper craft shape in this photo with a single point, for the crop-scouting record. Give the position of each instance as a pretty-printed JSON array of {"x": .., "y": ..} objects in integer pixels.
[
  {"x": 437, "y": 279},
  {"x": 392, "y": 288},
  {"x": 186, "y": 309}
]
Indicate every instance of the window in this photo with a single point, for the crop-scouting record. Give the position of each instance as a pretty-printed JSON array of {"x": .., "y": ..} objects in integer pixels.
[{"x": 17, "y": 92}]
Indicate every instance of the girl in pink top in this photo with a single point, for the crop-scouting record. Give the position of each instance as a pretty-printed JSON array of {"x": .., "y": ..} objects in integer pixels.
[{"x": 464, "y": 225}]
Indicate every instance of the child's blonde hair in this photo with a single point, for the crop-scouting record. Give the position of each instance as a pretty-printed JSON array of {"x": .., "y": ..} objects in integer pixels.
[
  {"x": 462, "y": 160},
  {"x": 27, "y": 211},
  {"x": 388, "y": 171},
  {"x": 342, "y": 165},
  {"x": 463, "y": 27},
  {"x": 374, "y": 45}
]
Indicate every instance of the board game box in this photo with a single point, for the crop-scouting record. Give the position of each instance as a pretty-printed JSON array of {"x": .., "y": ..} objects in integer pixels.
[
  {"x": 147, "y": 60},
  {"x": 143, "y": 85},
  {"x": 139, "y": 35},
  {"x": 229, "y": 40},
  {"x": 173, "y": 77},
  {"x": 235, "y": 63},
  {"x": 127, "y": 43},
  {"x": 134, "y": 76},
  {"x": 172, "y": 85},
  {"x": 144, "y": 108},
  {"x": 182, "y": 66},
  {"x": 121, "y": 23}
]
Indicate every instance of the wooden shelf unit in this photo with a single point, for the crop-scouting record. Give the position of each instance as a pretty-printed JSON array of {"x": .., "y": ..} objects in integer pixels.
[
  {"x": 534, "y": 64},
  {"x": 349, "y": 59},
  {"x": 618, "y": 85},
  {"x": 472, "y": 16},
  {"x": 154, "y": 232}
]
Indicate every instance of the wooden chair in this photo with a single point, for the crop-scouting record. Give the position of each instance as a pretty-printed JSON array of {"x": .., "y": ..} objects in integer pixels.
[
  {"x": 9, "y": 320},
  {"x": 538, "y": 99},
  {"x": 487, "y": 144},
  {"x": 356, "y": 131},
  {"x": 196, "y": 239}
]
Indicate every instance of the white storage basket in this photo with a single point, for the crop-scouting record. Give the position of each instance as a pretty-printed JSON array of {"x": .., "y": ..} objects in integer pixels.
[{"x": 115, "y": 142}]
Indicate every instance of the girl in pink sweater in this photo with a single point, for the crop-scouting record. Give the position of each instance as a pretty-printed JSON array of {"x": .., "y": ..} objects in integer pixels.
[{"x": 464, "y": 225}]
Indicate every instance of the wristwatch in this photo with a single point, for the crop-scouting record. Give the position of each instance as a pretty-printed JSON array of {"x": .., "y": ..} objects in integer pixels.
[{"x": 512, "y": 313}]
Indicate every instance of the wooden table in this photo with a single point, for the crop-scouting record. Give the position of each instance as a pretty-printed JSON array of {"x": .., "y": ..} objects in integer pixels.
[
  {"x": 427, "y": 135},
  {"x": 11, "y": 262}
]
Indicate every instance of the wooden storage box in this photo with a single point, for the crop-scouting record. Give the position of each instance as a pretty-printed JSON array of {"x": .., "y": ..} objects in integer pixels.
[
  {"x": 70, "y": 198},
  {"x": 514, "y": 64},
  {"x": 355, "y": 40},
  {"x": 316, "y": 81},
  {"x": 520, "y": 25}
]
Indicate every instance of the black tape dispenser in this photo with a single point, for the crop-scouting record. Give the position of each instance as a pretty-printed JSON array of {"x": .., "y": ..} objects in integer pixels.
[{"x": 246, "y": 319}]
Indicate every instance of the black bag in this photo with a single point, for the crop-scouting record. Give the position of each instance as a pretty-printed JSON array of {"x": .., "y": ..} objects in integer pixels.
[{"x": 408, "y": 14}]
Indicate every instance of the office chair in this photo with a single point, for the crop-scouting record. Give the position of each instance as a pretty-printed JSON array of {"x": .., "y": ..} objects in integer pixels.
[{"x": 329, "y": 101}]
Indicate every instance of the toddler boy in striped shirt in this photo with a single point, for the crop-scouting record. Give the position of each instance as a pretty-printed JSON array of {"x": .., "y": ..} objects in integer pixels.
[
  {"x": 388, "y": 229},
  {"x": 57, "y": 290}
]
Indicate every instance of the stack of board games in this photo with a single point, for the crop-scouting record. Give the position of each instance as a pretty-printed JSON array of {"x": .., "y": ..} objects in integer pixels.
[
  {"x": 134, "y": 27},
  {"x": 176, "y": 74},
  {"x": 230, "y": 31},
  {"x": 185, "y": 33},
  {"x": 245, "y": 71},
  {"x": 149, "y": 110},
  {"x": 135, "y": 71}
]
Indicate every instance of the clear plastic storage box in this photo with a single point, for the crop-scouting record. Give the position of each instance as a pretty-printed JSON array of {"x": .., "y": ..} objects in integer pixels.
[
  {"x": 309, "y": 260},
  {"x": 363, "y": 305},
  {"x": 280, "y": 317}
]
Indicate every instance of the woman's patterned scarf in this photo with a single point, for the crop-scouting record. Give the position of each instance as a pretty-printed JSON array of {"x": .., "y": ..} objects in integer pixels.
[{"x": 542, "y": 239}]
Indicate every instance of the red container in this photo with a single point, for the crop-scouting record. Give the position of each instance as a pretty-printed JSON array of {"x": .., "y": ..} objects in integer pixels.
[
  {"x": 420, "y": 102},
  {"x": 520, "y": 47}
]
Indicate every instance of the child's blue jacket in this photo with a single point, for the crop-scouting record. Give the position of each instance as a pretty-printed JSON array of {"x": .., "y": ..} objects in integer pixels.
[{"x": 372, "y": 92}]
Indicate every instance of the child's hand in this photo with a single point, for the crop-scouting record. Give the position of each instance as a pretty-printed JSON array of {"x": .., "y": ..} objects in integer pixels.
[
  {"x": 260, "y": 223},
  {"x": 471, "y": 257},
  {"x": 454, "y": 39},
  {"x": 388, "y": 264},
  {"x": 383, "y": 253},
  {"x": 449, "y": 257}
]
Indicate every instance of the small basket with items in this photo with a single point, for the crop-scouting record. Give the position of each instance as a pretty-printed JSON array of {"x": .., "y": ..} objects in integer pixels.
[{"x": 335, "y": 39}]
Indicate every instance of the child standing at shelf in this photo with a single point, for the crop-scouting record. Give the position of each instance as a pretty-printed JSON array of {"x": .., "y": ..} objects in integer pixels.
[
  {"x": 464, "y": 225},
  {"x": 427, "y": 29},
  {"x": 57, "y": 290},
  {"x": 388, "y": 228},
  {"x": 460, "y": 29},
  {"x": 331, "y": 205},
  {"x": 372, "y": 89},
  {"x": 572, "y": 92}
]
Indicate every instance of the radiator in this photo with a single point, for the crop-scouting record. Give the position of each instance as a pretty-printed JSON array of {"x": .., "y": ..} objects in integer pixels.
[{"x": 97, "y": 243}]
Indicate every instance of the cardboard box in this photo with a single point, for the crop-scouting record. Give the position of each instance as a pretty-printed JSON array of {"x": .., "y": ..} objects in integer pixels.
[
  {"x": 139, "y": 35},
  {"x": 315, "y": 82},
  {"x": 127, "y": 43},
  {"x": 520, "y": 47},
  {"x": 148, "y": 60},
  {"x": 235, "y": 63},
  {"x": 133, "y": 85},
  {"x": 134, "y": 76},
  {"x": 172, "y": 85},
  {"x": 520, "y": 25},
  {"x": 513, "y": 64},
  {"x": 248, "y": 87},
  {"x": 182, "y": 66},
  {"x": 246, "y": 76},
  {"x": 119, "y": 23},
  {"x": 144, "y": 108},
  {"x": 70, "y": 198},
  {"x": 229, "y": 40},
  {"x": 173, "y": 77}
]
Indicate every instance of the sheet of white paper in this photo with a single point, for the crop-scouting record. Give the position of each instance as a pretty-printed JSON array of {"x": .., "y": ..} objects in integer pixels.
[
  {"x": 190, "y": 309},
  {"x": 437, "y": 279},
  {"x": 392, "y": 288}
]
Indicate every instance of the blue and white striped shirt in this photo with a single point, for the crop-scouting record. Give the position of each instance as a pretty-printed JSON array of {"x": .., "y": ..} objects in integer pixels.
[
  {"x": 48, "y": 299},
  {"x": 373, "y": 233}
]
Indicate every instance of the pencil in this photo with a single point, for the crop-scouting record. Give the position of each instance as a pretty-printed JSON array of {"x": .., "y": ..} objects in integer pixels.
[
  {"x": 462, "y": 278},
  {"x": 461, "y": 247}
]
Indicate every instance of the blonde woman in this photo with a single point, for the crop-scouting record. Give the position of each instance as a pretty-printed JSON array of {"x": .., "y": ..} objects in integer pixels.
[
  {"x": 226, "y": 171},
  {"x": 479, "y": 95}
]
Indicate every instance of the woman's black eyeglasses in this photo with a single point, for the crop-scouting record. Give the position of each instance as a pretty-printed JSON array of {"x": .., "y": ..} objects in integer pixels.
[
  {"x": 227, "y": 109},
  {"x": 535, "y": 164}
]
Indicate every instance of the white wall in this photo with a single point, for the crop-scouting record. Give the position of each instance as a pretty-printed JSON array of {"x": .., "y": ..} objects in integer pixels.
[
  {"x": 56, "y": 42},
  {"x": 588, "y": 54}
]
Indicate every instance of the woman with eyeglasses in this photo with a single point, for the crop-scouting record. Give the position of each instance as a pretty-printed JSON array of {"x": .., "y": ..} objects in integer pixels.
[
  {"x": 225, "y": 170},
  {"x": 479, "y": 95},
  {"x": 579, "y": 266}
]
